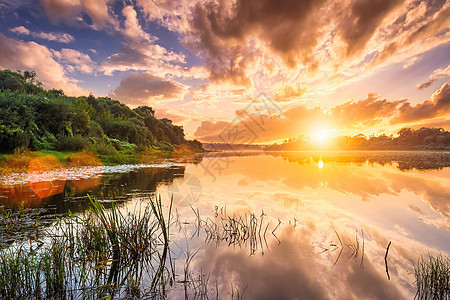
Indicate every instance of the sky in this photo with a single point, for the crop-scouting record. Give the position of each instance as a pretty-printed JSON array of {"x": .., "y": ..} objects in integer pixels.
[{"x": 262, "y": 71}]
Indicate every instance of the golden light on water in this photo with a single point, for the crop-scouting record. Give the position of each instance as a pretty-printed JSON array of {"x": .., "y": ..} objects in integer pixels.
[
  {"x": 43, "y": 168},
  {"x": 320, "y": 164}
]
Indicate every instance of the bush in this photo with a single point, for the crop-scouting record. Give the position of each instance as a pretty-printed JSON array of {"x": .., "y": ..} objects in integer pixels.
[
  {"x": 72, "y": 143},
  {"x": 103, "y": 148},
  {"x": 165, "y": 146},
  {"x": 47, "y": 142},
  {"x": 127, "y": 146},
  {"x": 12, "y": 139}
]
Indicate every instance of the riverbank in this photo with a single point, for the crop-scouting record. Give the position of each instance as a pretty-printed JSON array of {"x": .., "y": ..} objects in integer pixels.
[{"x": 20, "y": 162}]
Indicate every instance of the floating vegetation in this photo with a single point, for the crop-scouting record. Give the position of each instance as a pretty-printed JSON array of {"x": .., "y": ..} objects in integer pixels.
[
  {"x": 432, "y": 277},
  {"x": 78, "y": 173}
]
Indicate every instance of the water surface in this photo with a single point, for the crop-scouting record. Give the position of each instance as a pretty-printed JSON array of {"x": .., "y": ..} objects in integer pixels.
[{"x": 281, "y": 225}]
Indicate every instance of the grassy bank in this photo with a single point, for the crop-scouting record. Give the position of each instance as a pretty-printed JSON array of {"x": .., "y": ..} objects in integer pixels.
[{"x": 19, "y": 162}]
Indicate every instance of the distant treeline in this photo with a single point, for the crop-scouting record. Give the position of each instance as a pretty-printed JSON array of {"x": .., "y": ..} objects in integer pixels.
[
  {"x": 231, "y": 147},
  {"x": 38, "y": 119},
  {"x": 407, "y": 139}
]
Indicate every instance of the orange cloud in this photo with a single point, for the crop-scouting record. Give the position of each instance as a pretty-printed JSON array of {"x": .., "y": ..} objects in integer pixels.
[
  {"x": 438, "y": 105},
  {"x": 340, "y": 38},
  {"x": 176, "y": 116},
  {"x": 222, "y": 31},
  {"x": 261, "y": 126},
  {"x": 368, "y": 111},
  {"x": 256, "y": 126}
]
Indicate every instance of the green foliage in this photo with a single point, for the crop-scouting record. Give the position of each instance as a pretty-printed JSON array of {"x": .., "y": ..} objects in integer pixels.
[
  {"x": 104, "y": 148},
  {"x": 46, "y": 142},
  {"x": 72, "y": 143},
  {"x": 12, "y": 139},
  {"x": 49, "y": 120},
  {"x": 16, "y": 81}
]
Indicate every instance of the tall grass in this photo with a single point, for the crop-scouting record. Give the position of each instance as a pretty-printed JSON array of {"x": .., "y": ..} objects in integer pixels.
[
  {"x": 99, "y": 254},
  {"x": 432, "y": 277}
]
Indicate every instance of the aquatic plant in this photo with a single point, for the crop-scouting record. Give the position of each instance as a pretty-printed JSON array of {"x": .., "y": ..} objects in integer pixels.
[
  {"x": 103, "y": 253},
  {"x": 235, "y": 229},
  {"x": 432, "y": 274}
]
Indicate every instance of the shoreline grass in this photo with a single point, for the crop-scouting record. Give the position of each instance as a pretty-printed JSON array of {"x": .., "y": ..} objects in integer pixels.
[
  {"x": 96, "y": 255},
  {"x": 432, "y": 274},
  {"x": 19, "y": 162}
]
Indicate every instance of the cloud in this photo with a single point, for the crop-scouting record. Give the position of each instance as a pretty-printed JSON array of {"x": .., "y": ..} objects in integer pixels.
[
  {"x": 358, "y": 26},
  {"x": 20, "y": 30},
  {"x": 426, "y": 84},
  {"x": 368, "y": 111},
  {"x": 177, "y": 117},
  {"x": 132, "y": 28},
  {"x": 143, "y": 88},
  {"x": 257, "y": 123},
  {"x": 310, "y": 41},
  {"x": 288, "y": 93},
  {"x": 437, "y": 106},
  {"x": 75, "y": 60},
  {"x": 139, "y": 52},
  {"x": 171, "y": 14},
  {"x": 437, "y": 74},
  {"x": 412, "y": 61},
  {"x": 49, "y": 36},
  {"x": 16, "y": 54},
  {"x": 70, "y": 11},
  {"x": 225, "y": 32},
  {"x": 411, "y": 33}
]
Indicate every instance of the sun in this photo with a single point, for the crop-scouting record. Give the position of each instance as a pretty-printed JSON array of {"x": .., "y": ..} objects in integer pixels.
[{"x": 322, "y": 136}]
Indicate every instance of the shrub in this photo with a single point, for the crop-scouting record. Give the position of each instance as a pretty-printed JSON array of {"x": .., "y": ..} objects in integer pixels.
[
  {"x": 103, "y": 148},
  {"x": 72, "y": 143},
  {"x": 12, "y": 139}
]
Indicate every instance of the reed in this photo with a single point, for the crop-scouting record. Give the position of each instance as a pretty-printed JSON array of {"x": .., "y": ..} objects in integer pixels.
[
  {"x": 432, "y": 277},
  {"x": 100, "y": 254}
]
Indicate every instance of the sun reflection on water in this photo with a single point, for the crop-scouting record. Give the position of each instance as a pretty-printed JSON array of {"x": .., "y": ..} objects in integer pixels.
[{"x": 320, "y": 164}]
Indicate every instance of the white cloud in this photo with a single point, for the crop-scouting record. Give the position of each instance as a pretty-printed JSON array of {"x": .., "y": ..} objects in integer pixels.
[
  {"x": 16, "y": 54},
  {"x": 49, "y": 36}
]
